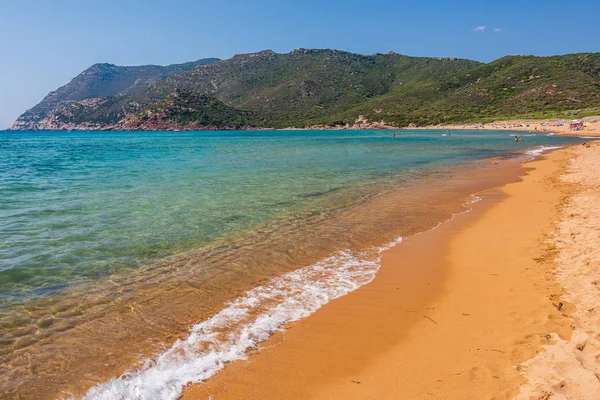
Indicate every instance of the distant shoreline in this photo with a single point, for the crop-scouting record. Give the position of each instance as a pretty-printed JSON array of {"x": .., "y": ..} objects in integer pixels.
[{"x": 591, "y": 128}]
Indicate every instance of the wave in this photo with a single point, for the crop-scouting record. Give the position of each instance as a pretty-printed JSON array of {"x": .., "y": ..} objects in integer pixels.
[
  {"x": 243, "y": 324},
  {"x": 536, "y": 152}
]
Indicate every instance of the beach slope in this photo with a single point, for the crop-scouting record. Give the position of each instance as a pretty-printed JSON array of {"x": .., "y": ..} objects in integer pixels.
[{"x": 455, "y": 312}]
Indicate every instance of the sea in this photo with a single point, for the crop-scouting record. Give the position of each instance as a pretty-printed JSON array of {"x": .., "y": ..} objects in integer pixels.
[{"x": 134, "y": 263}]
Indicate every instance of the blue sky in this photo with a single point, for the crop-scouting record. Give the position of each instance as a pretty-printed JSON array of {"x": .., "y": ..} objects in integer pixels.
[{"x": 43, "y": 44}]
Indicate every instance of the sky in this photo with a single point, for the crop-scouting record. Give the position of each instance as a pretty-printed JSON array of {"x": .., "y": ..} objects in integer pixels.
[{"x": 44, "y": 44}]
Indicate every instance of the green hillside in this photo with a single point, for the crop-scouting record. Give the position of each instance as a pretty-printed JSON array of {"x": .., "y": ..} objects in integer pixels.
[
  {"x": 512, "y": 86},
  {"x": 305, "y": 86},
  {"x": 190, "y": 110},
  {"x": 308, "y": 87},
  {"x": 104, "y": 81}
]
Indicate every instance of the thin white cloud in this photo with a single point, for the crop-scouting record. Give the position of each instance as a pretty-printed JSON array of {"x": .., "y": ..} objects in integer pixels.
[
  {"x": 498, "y": 29},
  {"x": 480, "y": 28}
]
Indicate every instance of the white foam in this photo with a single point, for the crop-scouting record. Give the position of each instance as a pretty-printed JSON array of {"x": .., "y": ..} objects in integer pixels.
[
  {"x": 391, "y": 244},
  {"x": 473, "y": 199},
  {"x": 536, "y": 152},
  {"x": 467, "y": 205},
  {"x": 244, "y": 323}
]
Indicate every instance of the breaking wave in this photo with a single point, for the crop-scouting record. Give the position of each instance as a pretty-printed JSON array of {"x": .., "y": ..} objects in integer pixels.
[
  {"x": 536, "y": 152},
  {"x": 242, "y": 325}
]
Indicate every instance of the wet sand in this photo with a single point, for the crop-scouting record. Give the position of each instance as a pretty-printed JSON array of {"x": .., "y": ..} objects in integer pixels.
[{"x": 453, "y": 312}]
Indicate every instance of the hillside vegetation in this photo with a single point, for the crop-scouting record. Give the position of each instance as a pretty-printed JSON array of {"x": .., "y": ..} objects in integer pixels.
[
  {"x": 189, "y": 110},
  {"x": 311, "y": 87},
  {"x": 100, "y": 84}
]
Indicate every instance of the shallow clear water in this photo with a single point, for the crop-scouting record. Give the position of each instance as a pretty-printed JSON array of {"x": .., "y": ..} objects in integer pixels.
[{"x": 80, "y": 206}]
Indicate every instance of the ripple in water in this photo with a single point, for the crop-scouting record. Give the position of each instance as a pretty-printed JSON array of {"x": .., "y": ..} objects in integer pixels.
[{"x": 244, "y": 323}]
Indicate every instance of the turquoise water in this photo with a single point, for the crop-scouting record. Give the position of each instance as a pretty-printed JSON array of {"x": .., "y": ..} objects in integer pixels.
[{"x": 80, "y": 206}]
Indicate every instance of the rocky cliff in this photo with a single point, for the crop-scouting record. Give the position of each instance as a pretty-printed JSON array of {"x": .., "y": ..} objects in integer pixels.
[{"x": 91, "y": 89}]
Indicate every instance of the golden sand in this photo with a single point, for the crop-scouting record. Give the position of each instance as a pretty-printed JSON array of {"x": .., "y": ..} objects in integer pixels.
[
  {"x": 569, "y": 368},
  {"x": 454, "y": 313},
  {"x": 591, "y": 127}
]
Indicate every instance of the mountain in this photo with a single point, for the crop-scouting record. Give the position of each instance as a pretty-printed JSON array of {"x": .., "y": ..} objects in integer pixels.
[
  {"x": 512, "y": 86},
  {"x": 99, "y": 82},
  {"x": 183, "y": 109},
  {"x": 326, "y": 87}
]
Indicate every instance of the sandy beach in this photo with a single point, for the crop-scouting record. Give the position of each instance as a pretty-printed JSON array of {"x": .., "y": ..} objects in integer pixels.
[
  {"x": 591, "y": 126},
  {"x": 500, "y": 302}
]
